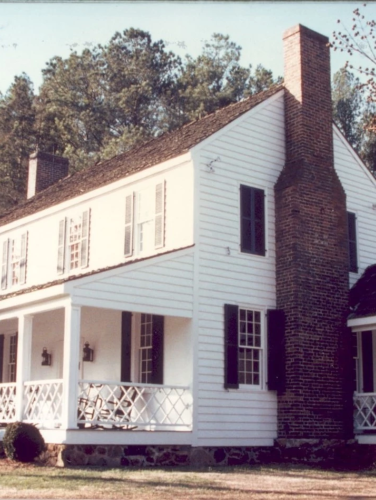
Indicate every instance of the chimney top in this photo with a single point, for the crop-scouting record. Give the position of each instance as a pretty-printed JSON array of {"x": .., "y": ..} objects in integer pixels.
[{"x": 45, "y": 169}]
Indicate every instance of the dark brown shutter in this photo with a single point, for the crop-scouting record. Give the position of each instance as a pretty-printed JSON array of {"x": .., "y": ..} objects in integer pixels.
[
  {"x": 231, "y": 347},
  {"x": 126, "y": 339},
  {"x": 157, "y": 353},
  {"x": 276, "y": 350},
  {"x": 367, "y": 361},
  {"x": 353, "y": 255},
  {"x": 252, "y": 206},
  {"x": 1, "y": 357}
]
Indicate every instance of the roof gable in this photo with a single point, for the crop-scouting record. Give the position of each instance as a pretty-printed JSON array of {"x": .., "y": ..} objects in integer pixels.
[{"x": 163, "y": 148}]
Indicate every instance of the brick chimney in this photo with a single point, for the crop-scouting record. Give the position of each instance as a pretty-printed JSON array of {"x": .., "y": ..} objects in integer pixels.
[
  {"x": 312, "y": 251},
  {"x": 45, "y": 169}
]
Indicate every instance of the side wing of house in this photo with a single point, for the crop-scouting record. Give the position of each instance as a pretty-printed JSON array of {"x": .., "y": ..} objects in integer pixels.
[
  {"x": 146, "y": 214},
  {"x": 238, "y": 168},
  {"x": 360, "y": 188}
]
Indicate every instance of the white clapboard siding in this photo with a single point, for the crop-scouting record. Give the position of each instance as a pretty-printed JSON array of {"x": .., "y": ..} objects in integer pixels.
[
  {"x": 251, "y": 152},
  {"x": 164, "y": 288},
  {"x": 360, "y": 190}
]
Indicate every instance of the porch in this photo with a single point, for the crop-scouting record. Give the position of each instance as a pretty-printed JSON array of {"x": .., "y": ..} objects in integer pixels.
[
  {"x": 78, "y": 370},
  {"x": 100, "y": 405}
]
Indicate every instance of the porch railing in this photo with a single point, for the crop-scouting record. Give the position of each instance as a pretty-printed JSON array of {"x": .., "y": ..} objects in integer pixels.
[
  {"x": 142, "y": 406},
  {"x": 7, "y": 402},
  {"x": 364, "y": 411},
  {"x": 43, "y": 402}
]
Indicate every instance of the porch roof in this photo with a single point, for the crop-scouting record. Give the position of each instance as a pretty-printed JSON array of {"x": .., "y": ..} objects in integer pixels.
[{"x": 363, "y": 295}]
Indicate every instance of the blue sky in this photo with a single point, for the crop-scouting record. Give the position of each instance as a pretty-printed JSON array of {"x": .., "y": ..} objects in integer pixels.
[{"x": 32, "y": 33}]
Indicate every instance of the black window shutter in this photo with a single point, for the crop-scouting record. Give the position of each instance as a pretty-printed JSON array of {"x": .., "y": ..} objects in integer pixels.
[
  {"x": 1, "y": 357},
  {"x": 231, "y": 347},
  {"x": 252, "y": 206},
  {"x": 276, "y": 350},
  {"x": 353, "y": 256},
  {"x": 126, "y": 339},
  {"x": 157, "y": 355},
  {"x": 367, "y": 361}
]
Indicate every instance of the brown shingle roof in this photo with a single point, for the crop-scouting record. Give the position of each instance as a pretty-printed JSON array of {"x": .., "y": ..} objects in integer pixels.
[
  {"x": 363, "y": 295},
  {"x": 146, "y": 155}
]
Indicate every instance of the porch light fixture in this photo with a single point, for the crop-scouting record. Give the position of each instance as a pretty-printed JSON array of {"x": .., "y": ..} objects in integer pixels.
[
  {"x": 46, "y": 357},
  {"x": 88, "y": 353}
]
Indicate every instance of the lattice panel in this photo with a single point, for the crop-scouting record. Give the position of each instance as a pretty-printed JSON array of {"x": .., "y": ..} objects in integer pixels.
[
  {"x": 7, "y": 402},
  {"x": 364, "y": 412},
  {"x": 43, "y": 401},
  {"x": 119, "y": 405}
]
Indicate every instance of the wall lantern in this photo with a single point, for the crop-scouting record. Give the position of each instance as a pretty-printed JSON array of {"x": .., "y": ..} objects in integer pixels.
[
  {"x": 88, "y": 353},
  {"x": 46, "y": 358}
]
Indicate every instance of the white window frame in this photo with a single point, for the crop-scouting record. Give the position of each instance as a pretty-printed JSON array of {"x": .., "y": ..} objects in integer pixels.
[
  {"x": 14, "y": 261},
  {"x": 71, "y": 259},
  {"x": 249, "y": 343},
  {"x": 145, "y": 219}
]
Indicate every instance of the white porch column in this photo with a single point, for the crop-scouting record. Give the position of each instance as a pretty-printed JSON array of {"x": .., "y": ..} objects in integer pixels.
[
  {"x": 25, "y": 330},
  {"x": 72, "y": 327}
]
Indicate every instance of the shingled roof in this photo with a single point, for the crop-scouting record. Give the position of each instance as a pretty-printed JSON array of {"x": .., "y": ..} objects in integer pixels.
[
  {"x": 165, "y": 147},
  {"x": 363, "y": 295}
]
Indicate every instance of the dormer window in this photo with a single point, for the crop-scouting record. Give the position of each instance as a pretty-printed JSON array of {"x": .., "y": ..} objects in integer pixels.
[
  {"x": 14, "y": 261},
  {"x": 73, "y": 242},
  {"x": 145, "y": 220}
]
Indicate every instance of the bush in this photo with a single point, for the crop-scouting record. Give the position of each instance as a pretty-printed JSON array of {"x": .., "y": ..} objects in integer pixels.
[{"x": 22, "y": 442}]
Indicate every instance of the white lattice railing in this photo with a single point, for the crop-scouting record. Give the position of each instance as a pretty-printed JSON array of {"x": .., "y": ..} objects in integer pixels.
[
  {"x": 149, "y": 407},
  {"x": 7, "y": 402},
  {"x": 365, "y": 411},
  {"x": 43, "y": 402}
]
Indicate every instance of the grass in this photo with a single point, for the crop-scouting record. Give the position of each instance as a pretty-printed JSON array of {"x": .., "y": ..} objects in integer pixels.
[{"x": 240, "y": 483}]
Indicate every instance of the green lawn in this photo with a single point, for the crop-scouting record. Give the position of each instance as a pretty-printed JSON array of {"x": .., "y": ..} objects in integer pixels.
[{"x": 232, "y": 483}]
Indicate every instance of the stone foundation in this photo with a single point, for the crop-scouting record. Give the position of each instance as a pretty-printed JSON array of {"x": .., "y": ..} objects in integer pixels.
[{"x": 320, "y": 453}]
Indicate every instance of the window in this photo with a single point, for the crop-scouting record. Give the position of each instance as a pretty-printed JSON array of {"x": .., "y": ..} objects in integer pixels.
[
  {"x": 249, "y": 347},
  {"x": 353, "y": 254},
  {"x": 73, "y": 242},
  {"x": 245, "y": 348},
  {"x": 145, "y": 359},
  {"x": 12, "y": 364},
  {"x": 146, "y": 348},
  {"x": 252, "y": 224},
  {"x": 145, "y": 220},
  {"x": 14, "y": 261}
]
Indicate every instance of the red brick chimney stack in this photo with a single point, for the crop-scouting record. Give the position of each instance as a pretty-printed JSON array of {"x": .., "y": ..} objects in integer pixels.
[
  {"x": 45, "y": 169},
  {"x": 311, "y": 250}
]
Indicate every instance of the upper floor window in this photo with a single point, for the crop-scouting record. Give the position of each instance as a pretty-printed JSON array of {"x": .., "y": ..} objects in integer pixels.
[
  {"x": 353, "y": 253},
  {"x": 252, "y": 223},
  {"x": 14, "y": 261},
  {"x": 73, "y": 242},
  {"x": 145, "y": 220}
]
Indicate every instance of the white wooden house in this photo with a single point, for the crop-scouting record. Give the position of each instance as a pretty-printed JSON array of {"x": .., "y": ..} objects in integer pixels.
[{"x": 118, "y": 282}]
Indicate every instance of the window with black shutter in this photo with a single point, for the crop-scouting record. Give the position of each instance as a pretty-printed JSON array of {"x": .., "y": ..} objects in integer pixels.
[
  {"x": 252, "y": 207},
  {"x": 243, "y": 338},
  {"x": 353, "y": 254}
]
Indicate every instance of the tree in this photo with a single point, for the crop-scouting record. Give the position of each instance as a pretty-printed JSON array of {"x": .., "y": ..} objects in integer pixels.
[
  {"x": 17, "y": 140},
  {"x": 215, "y": 78},
  {"x": 347, "y": 106},
  {"x": 360, "y": 39}
]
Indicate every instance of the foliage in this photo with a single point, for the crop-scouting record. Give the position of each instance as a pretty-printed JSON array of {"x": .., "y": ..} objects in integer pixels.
[
  {"x": 101, "y": 102},
  {"x": 347, "y": 106},
  {"x": 22, "y": 442},
  {"x": 17, "y": 140},
  {"x": 360, "y": 39}
]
